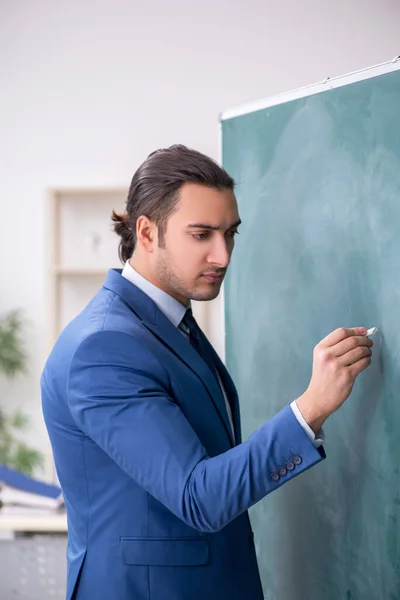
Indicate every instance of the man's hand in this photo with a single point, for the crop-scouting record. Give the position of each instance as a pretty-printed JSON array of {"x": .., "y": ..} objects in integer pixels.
[{"x": 338, "y": 359}]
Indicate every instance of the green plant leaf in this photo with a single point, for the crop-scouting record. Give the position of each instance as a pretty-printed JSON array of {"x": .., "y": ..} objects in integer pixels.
[
  {"x": 26, "y": 459},
  {"x": 12, "y": 352},
  {"x": 19, "y": 420}
]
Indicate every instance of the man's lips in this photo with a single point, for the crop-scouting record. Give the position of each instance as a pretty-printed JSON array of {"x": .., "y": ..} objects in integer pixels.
[{"x": 213, "y": 276}]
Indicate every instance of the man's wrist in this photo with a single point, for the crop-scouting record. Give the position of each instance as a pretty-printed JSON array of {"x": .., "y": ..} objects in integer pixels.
[{"x": 312, "y": 417}]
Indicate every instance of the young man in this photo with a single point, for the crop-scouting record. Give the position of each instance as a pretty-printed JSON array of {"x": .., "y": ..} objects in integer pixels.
[{"x": 144, "y": 419}]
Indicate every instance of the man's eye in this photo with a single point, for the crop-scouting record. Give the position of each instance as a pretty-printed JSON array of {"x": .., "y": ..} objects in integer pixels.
[
  {"x": 201, "y": 236},
  {"x": 232, "y": 233}
]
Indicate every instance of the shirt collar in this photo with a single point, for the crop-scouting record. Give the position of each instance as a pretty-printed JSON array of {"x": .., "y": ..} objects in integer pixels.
[{"x": 172, "y": 308}]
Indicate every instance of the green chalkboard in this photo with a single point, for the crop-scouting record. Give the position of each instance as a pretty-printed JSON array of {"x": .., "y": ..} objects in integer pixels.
[{"x": 318, "y": 187}]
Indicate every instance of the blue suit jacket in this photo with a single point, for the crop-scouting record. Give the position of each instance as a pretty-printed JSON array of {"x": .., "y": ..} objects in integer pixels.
[{"x": 156, "y": 490}]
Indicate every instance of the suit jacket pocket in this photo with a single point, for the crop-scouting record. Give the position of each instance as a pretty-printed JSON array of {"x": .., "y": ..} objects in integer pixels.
[{"x": 164, "y": 552}]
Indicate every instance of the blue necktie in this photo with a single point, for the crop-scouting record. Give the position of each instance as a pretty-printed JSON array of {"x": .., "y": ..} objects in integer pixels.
[
  {"x": 196, "y": 340},
  {"x": 204, "y": 349}
]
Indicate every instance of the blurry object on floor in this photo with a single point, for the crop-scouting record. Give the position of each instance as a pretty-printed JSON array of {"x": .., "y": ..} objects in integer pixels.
[
  {"x": 22, "y": 494},
  {"x": 33, "y": 567}
]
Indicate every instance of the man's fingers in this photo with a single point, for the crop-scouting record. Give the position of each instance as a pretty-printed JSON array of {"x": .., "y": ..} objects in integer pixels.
[
  {"x": 354, "y": 341},
  {"x": 355, "y": 355},
  {"x": 360, "y": 366},
  {"x": 341, "y": 334}
]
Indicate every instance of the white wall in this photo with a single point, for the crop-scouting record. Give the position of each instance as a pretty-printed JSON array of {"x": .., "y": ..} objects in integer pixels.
[{"x": 89, "y": 88}]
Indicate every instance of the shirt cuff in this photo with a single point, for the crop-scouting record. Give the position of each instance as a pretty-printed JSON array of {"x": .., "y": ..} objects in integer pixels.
[{"x": 318, "y": 439}]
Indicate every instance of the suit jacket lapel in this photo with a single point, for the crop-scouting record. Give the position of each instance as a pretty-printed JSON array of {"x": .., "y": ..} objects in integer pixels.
[
  {"x": 230, "y": 391},
  {"x": 168, "y": 334}
]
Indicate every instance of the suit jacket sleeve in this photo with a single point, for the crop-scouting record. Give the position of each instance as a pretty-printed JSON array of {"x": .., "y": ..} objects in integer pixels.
[{"x": 118, "y": 396}]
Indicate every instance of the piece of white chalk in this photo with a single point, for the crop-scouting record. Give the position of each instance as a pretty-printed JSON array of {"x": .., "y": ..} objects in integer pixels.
[{"x": 372, "y": 331}]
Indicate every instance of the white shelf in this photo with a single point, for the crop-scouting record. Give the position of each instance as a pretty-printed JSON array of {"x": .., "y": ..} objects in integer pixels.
[
  {"x": 82, "y": 248},
  {"x": 79, "y": 271},
  {"x": 92, "y": 193}
]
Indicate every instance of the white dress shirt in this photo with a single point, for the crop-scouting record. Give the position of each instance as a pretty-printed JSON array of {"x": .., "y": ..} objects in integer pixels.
[{"x": 175, "y": 311}]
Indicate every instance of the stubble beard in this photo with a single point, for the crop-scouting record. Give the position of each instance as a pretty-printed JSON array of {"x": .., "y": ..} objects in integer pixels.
[{"x": 173, "y": 284}]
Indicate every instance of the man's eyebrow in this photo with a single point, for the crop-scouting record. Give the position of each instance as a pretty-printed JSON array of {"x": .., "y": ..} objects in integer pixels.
[{"x": 212, "y": 227}]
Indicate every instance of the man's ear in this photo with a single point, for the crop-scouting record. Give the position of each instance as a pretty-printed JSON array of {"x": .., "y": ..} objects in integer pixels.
[{"x": 146, "y": 233}]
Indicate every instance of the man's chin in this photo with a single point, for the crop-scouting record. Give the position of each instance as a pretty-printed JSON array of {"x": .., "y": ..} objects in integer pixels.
[{"x": 206, "y": 295}]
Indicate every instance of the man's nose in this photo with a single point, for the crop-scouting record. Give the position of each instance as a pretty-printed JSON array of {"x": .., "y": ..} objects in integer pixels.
[{"x": 220, "y": 253}]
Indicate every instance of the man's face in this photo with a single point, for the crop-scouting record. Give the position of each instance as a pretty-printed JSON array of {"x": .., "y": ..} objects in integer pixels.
[{"x": 198, "y": 243}]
